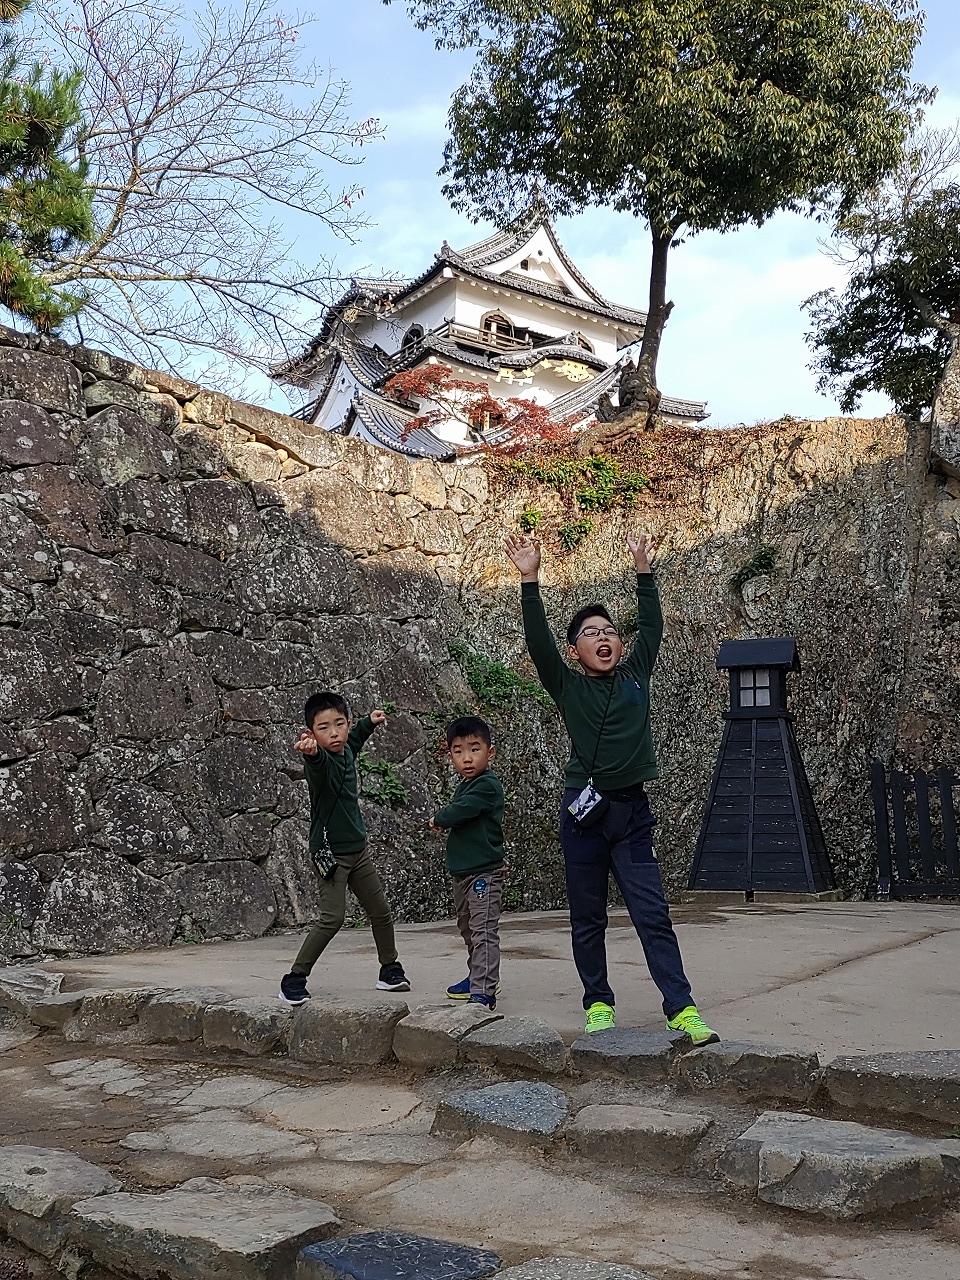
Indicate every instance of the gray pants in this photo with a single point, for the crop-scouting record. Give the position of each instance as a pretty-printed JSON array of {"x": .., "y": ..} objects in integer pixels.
[
  {"x": 356, "y": 872},
  {"x": 477, "y": 901}
]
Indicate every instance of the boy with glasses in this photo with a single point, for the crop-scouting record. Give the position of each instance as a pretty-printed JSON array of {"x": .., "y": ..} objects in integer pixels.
[{"x": 606, "y": 825}]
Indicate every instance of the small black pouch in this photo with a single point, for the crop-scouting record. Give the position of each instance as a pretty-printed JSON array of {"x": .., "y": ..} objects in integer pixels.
[
  {"x": 589, "y": 807},
  {"x": 325, "y": 862}
]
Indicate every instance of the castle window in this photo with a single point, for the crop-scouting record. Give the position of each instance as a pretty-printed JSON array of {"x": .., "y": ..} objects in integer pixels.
[
  {"x": 413, "y": 335},
  {"x": 496, "y": 324},
  {"x": 582, "y": 342},
  {"x": 525, "y": 264}
]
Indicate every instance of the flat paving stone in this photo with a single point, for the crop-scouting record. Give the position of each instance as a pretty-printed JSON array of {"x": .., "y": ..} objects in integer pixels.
[
  {"x": 383, "y": 1148},
  {"x": 253, "y": 1026},
  {"x": 839, "y": 1169},
  {"x": 644, "y": 1056},
  {"x": 571, "y": 1269},
  {"x": 38, "y": 1187},
  {"x": 338, "y": 1033},
  {"x": 51, "y": 1012},
  {"x": 202, "y": 1230},
  {"x": 924, "y": 1083},
  {"x": 529, "y": 1043},
  {"x": 221, "y": 1135},
  {"x": 518, "y": 1112},
  {"x": 751, "y": 1070},
  {"x": 394, "y": 1255},
  {"x": 637, "y": 1137},
  {"x": 20, "y": 988},
  {"x": 338, "y": 1107},
  {"x": 430, "y": 1037}
]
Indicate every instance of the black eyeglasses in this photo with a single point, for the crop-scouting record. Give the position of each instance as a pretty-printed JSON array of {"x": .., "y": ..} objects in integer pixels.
[{"x": 593, "y": 633}]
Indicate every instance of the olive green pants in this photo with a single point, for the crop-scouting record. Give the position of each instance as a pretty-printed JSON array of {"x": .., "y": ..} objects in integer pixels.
[{"x": 356, "y": 872}]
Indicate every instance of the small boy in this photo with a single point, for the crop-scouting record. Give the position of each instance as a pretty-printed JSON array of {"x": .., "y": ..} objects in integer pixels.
[
  {"x": 338, "y": 842},
  {"x": 474, "y": 822},
  {"x": 606, "y": 825}
]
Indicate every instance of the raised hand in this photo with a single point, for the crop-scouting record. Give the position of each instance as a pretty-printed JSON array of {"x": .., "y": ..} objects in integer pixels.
[
  {"x": 525, "y": 554},
  {"x": 378, "y": 717},
  {"x": 306, "y": 744},
  {"x": 641, "y": 548}
]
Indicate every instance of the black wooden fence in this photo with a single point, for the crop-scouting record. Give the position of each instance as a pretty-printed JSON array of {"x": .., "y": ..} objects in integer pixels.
[{"x": 917, "y": 820}]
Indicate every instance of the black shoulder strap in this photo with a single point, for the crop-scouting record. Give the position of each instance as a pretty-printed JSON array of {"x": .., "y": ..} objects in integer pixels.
[{"x": 603, "y": 721}]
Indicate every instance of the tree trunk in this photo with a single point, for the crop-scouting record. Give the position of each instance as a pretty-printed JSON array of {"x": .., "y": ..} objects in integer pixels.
[
  {"x": 658, "y": 314},
  {"x": 945, "y": 443}
]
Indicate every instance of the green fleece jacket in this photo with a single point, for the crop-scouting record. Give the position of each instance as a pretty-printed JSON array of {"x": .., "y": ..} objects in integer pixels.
[
  {"x": 335, "y": 819},
  {"x": 473, "y": 821},
  {"x": 624, "y": 750}
]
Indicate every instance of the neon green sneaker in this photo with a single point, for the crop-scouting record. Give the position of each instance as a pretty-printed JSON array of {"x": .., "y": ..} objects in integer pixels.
[
  {"x": 600, "y": 1017},
  {"x": 693, "y": 1027}
]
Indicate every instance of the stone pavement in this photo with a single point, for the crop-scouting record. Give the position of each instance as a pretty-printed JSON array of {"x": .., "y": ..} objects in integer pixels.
[{"x": 837, "y": 977}]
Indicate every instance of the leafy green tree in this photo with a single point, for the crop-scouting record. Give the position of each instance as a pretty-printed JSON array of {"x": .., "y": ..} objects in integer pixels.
[
  {"x": 694, "y": 115},
  {"x": 895, "y": 328},
  {"x": 45, "y": 206}
]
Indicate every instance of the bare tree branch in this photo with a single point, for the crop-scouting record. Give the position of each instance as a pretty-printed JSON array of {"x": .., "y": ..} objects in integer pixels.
[{"x": 205, "y": 131}]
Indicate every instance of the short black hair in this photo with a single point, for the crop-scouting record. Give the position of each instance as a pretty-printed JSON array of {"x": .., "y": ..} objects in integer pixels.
[
  {"x": 580, "y": 617},
  {"x": 469, "y": 727},
  {"x": 326, "y": 700}
]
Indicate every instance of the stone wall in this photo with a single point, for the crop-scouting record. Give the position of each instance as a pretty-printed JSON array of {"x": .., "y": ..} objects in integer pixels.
[{"x": 178, "y": 570}]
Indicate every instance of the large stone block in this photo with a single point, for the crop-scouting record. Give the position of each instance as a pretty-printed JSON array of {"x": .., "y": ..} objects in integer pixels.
[
  {"x": 38, "y": 680},
  {"x": 294, "y": 580},
  {"x": 93, "y": 584},
  {"x": 752, "y": 1070},
  {"x": 100, "y": 903},
  {"x": 21, "y": 988},
  {"x": 837, "y": 1169},
  {"x": 519, "y": 1113},
  {"x": 137, "y": 821},
  {"x": 202, "y": 1230},
  {"x": 41, "y": 379},
  {"x": 530, "y": 1043},
  {"x": 223, "y": 517},
  {"x": 346, "y": 1034},
  {"x": 225, "y": 899},
  {"x": 108, "y": 1017},
  {"x": 638, "y": 1137},
  {"x": 154, "y": 506},
  {"x": 118, "y": 446},
  {"x": 644, "y": 1056},
  {"x": 176, "y": 1017},
  {"x": 52, "y": 1011},
  {"x": 26, "y": 553},
  {"x": 923, "y": 1083},
  {"x": 185, "y": 568},
  {"x": 14, "y": 1029},
  {"x": 70, "y": 508},
  {"x": 253, "y": 1026},
  {"x": 41, "y": 808},
  {"x": 240, "y": 775},
  {"x": 156, "y": 694},
  {"x": 399, "y": 586},
  {"x": 38, "y": 1187},
  {"x": 430, "y": 1037},
  {"x": 333, "y": 508},
  {"x": 29, "y": 436},
  {"x": 394, "y": 1255}
]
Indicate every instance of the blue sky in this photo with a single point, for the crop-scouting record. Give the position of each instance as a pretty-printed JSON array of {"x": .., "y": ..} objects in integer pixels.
[{"x": 735, "y": 338}]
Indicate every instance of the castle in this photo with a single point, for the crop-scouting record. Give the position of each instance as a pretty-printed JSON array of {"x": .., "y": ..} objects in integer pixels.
[{"x": 512, "y": 313}]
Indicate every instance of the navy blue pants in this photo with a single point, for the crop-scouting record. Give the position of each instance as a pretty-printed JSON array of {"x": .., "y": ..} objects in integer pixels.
[{"x": 622, "y": 843}]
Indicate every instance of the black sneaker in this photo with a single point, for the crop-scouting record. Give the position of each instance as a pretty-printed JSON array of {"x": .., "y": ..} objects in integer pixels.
[
  {"x": 293, "y": 988},
  {"x": 392, "y": 978},
  {"x": 488, "y": 1002}
]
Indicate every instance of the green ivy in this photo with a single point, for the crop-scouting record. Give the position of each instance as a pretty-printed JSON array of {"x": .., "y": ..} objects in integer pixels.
[
  {"x": 572, "y": 534},
  {"x": 764, "y": 560},
  {"x": 530, "y": 520},
  {"x": 380, "y": 783},
  {"x": 493, "y": 684},
  {"x": 598, "y": 483}
]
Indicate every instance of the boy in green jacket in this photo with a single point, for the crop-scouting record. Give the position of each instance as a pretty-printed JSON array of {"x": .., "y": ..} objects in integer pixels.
[
  {"x": 473, "y": 821},
  {"x": 338, "y": 842},
  {"x": 606, "y": 825}
]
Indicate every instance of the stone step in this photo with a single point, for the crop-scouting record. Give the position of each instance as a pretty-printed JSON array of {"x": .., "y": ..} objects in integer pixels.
[
  {"x": 19, "y": 988},
  {"x": 519, "y": 1112},
  {"x": 645, "y": 1056},
  {"x": 751, "y": 1070},
  {"x": 839, "y": 1169},
  {"x": 430, "y": 1037},
  {"x": 201, "y": 1230},
  {"x": 340, "y": 1034},
  {"x": 255, "y": 1025},
  {"x": 637, "y": 1137},
  {"x": 176, "y": 1017},
  {"x": 923, "y": 1083},
  {"x": 38, "y": 1188},
  {"x": 394, "y": 1255},
  {"x": 15, "y": 1030},
  {"x": 528, "y": 1043}
]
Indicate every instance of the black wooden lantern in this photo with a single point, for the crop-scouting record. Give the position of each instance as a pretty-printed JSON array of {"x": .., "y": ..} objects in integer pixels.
[{"x": 760, "y": 832}]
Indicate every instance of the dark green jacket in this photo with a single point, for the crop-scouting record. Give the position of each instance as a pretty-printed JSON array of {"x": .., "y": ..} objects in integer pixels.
[
  {"x": 625, "y": 755},
  {"x": 473, "y": 821},
  {"x": 337, "y": 814}
]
